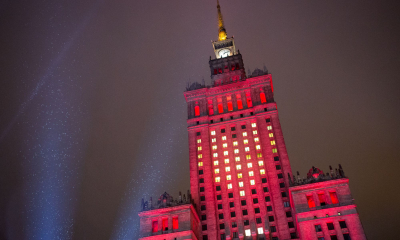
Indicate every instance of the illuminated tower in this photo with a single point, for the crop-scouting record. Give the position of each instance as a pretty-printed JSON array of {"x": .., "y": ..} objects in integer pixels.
[{"x": 239, "y": 168}]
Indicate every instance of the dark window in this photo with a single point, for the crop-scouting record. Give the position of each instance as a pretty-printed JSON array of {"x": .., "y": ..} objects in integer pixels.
[
  {"x": 201, "y": 180},
  {"x": 257, "y": 210},
  {"x": 218, "y": 188},
  {"x": 200, "y": 172},
  {"x": 265, "y": 109},
  {"x": 204, "y": 227},
  {"x": 246, "y": 222},
  {"x": 283, "y": 194},
  {"x": 233, "y": 214},
  {"x": 233, "y": 135},
  {"x": 278, "y": 167},
  {"x": 244, "y": 212},
  {"x": 211, "y": 121},
  {"x": 268, "y": 120},
  {"x": 230, "y": 195},
  {"x": 290, "y": 224},
  {"x": 293, "y": 236},
  {"x": 219, "y": 206},
  {"x": 318, "y": 228},
  {"x": 243, "y": 202},
  {"x": 197, "y": 122},
  {"x": 255, "y": 200},
  {"x": 235, "y": 235},
  {"x": 198, "y": 133},
  {"x": 258, "y": 220},
  {"x": 286, "y": 204},
  {"x": 223, "y": 237},
  {"x": 253, "y": 191},
  {"x": 264, "y": 180},
  {"x": 241, "y": 115},
  {"x": 205, "y": 237},
  {"x": 265, "y": 189},
  {"x": 275, "y": 238},
  {"x": 276, "y": 158},
  {"x": 282, "y": 184},
  {"x": 231, "y": 117},
  {"x": 346, "y": 236},
  {"x": 202, "y": 198},
  {"x": 233, "y": 128},
  {"x": 231, "y": 204},
  {"x": 269, "y": 208},
  {"x": 219, "y": 197},
  {"x": 203, "y": 217},
  {"x": 267, "y": 198},
  {"x": 222, "y": 130},
  {"x": 221, "y": 119},
  {"x": 215, "y": 71},
  {"x": 342, "y": 224},
  {"x": 221, "y": 216},
  {"x": 280, "y": 175},
  {"x": 251, "y": 113},
  {"x": 289, "y": 214},
  {"x": 271, "y": 218},
  {"x": 334, "y": 237},
  {"x": 234, "y": 224},
  {"x": 330, "y": 226},
  {"x": 203, "y": 207},
  {"x": 273, "y": 229},
  {"x": 243, "y": 126},
  {"x": 321, "y": 238},
  {"x": 201, "y": 189}
]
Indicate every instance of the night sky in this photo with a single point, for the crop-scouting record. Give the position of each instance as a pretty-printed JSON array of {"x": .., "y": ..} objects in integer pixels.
[{"x": 93, "y": 118}]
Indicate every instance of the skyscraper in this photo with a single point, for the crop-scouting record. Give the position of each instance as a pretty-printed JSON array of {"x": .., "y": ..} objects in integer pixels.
[{"x": 241, "y": 182}]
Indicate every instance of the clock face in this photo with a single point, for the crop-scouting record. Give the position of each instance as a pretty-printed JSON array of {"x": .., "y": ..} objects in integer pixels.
[{"x": 224, "y": 53}]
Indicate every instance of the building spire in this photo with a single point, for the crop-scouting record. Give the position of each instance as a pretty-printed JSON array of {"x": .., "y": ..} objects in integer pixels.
[{"x": 221, "y": 28}]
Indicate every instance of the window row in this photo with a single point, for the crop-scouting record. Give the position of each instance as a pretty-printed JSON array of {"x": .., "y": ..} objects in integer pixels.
[{"x": 164, "y": 224}]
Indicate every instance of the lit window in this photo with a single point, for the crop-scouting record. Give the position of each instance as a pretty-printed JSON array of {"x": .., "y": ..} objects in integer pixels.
[
  {"x": 251, "y": 173},
  {"x": 255, "y": 132},
  {"x": 214, "y": 147},
  {"x": 223, "y": 138},
  {"x": 197, "y": 111},
  {"x": 230, "y": 186},
  {"x": 213, "y": 140},
  {"x": 200, "y": 156},
  {"x": 274, "y": 150},
  {"x": 248, "y": 157},
  {"x": 244, "y": 134},
  {"x": 269, "y": 127},
  {"x": 200, "y": 164},
  {"x": 247, "y": 149},
  {"x": 227, "y": 169},
  {"x": 237, "y": 159},
  {"x": 240, "y": 184},
  {"x": 216, "y": 170},
  {"x": 272, "y": 142},
  {"x": 240, "y": 175},
  {"x": 260, "y": 230},
  {"x": 212, "y": 132},
  {"x": 226, "y": 160},
  {"x": 249, "y": 165},
  {"x": 198, "y": 140},
  {"x": 253, "y": 124},
  {"x": 271, "y": 135},
  {"x": 236, "y": 151},
  {"x": 228, "y": 177},
  {"x": 259, "y": 155},
  {"x": 215, "y": 154},
  {"x": 260, "y": 163},
  {"x": 199, "y": 148},
  {"x": 224, "y": 145},
  {"x": 235, "y": 143},
  {"x": 242, "y": 194},
  {"x": 216, "y": 162},
  {"x": 238, "y": 167},
  {"x": 256, "y": 139},
  {"x": 225, "y": 153},
  {"x": 258, "y": 147},
  {"x": 252, "y": 182},
  {"x": 217, "y": 179},
  {"x": 262, "y": 171},
  {"x": 245, "y": 141}
]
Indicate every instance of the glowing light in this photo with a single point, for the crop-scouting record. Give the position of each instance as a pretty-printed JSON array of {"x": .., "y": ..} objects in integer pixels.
[
  {"x": 252, "y": 182},
  {"x": 273, "y": 142},
  {"x": 223, "y": 138},
  {"x": 236, "y": 151},
  {"x": 212, "y": 132},
  {"x": 224, "y": 145},
  {"x": 240, "y": 175},
  {"x": 235, "y": 143},
  {"x": 199, "y": 148},
  {"x": 260, "y": 230},
  {"x": 230, "y": 186},
  {"x": 242, "y": 194},
  {"x": 227, "y": 169},
  {"x": 225, "y": 153},
  {"x": 248, "y": 157},
  {"x": 254, "y": 125},
  {"x": 217, "y": 179},
  {"x": 251, "y": 174},
  {"x": 258, "y": 147},
  {"x": 216, "y": 170},
  {"x": 260, "y": 163},
  {"x": 245, "y": 141},
  {"x": 271, "y": 135},
  {"x": 259, "y": 155},
  {"x": 200, "y": 156},
  {"x": 237, "y": 159},
  {"x": 200, "y": 164},
  {"x": 215, "y": 154},
  {"x": 215, "y": 162},
  {"x": 247, "y": 149},
  {"x": 240, "y": 184},
  {"x": 198, "y": 140},
  {"x": 249, "y": 165},
  {"x": 244, "y": 134},
  {"x": 214, "y": 147},
  {"x": 228, "y": 177},
  {"x": 238, "y": 167},
  {"x": 213, "y": 140},
  {"x": 274, "y": 150},
  {"x": 262, "y": 171},
  {"x": 255, "y": 132},
  {"x": 269, "y": 127},
  {"x": 226, "y": 160}
]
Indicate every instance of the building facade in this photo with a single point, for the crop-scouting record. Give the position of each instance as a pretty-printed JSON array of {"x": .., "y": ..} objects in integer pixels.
[{"x": 241, "y": 182}]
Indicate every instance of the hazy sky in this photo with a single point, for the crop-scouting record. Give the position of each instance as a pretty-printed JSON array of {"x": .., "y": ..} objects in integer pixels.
[{"x": 93, "y": 118}]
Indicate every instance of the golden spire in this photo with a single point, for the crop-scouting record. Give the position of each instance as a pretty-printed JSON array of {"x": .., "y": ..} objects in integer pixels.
[{"x": 221, "y": 28}]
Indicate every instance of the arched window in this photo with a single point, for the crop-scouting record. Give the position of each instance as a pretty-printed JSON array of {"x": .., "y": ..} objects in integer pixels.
[
  {"x": 249, "y": 102},
  {"x": 310, "y": 201},
  {"x": 239, "y": 101},
  {"x": 197, "y": 111},
  {"x": 262, "y": 97}
]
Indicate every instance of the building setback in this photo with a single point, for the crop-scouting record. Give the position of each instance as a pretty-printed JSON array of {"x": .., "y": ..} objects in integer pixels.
[{"x": 241, "y": 182}]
